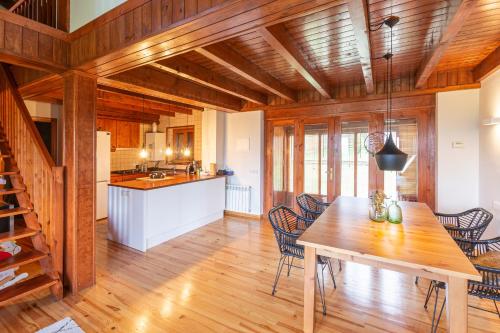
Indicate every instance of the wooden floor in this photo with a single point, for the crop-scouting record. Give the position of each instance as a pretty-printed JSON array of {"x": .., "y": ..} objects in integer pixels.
[{"x": 218, "y": 279}]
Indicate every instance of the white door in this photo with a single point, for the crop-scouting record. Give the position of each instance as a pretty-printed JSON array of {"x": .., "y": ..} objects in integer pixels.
[{"x": 101, "y": 210}]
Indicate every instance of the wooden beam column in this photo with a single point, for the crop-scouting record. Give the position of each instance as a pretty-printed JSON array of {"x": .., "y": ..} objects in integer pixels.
[{"x": 79, "y": 141}]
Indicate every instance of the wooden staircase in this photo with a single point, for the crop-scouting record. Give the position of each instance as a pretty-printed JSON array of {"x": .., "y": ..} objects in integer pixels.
[{"x": 36, "y": 183}]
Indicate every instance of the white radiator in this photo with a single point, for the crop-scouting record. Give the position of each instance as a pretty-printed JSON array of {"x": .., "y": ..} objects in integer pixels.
[{"x": 238, "y": 198}]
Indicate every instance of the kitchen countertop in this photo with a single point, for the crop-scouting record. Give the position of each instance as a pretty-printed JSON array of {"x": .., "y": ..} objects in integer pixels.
[{"x": 172, "y": 180}]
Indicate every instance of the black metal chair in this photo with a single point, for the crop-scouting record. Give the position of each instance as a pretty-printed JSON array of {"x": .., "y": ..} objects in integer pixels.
[
  {"x": 485, "y": 255},
  {"x": 470, "y": 224},
  {"x": 288, "y": 226},
  {"x": 310, "y": 207}
]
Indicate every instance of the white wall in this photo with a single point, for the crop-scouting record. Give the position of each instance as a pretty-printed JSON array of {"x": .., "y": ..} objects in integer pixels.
[
  {"x": 245, "y": 153},
  {"x": 84, "y": 11},
  {"x": 457, "y": 169},
  {"x": 212, "y": 143},
  {"x": 489, "y": 151}
]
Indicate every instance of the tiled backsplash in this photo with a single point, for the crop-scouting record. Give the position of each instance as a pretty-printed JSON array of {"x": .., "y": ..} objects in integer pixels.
[{"x": 125, "y": 158}]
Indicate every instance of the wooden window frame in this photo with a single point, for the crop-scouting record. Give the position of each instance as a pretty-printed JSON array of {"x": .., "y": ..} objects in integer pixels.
[{"x": 185, "y": 130}]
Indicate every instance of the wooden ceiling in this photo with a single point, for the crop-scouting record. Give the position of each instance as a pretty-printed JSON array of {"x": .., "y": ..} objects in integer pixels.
[{"x": 329, "y": 51}]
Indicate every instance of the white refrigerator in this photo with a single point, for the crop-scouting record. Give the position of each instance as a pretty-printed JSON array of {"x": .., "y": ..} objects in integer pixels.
[{"x": 103, "y": 173}]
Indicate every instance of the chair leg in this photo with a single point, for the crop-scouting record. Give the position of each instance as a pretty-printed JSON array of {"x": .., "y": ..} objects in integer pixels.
[
  {"x": 290, "y": 263},
  {"x": 429, "y": 292},
  {"x": 340, "y": 265},
  {"x": 278, "y": 273},
  {"x": 496, "y": 307},
  {"x": 440, "y": 313},
  {"x": 329, "y": 263},
  {"x": 321, "y": 287},
  {"x": 416, "y": 280}
]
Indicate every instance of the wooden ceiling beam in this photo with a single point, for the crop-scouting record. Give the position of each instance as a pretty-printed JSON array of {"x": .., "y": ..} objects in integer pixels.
[
  {"x": 152, "y": 82},
  {"x": 105, "y": 104},
  {"x": 280, "y": 40},
  {"x": 225, "y": 56},
  {"x": 189, "y": 70},
  {"x": 462, "y": 12},
  {"x": 358, "y": 11},
  {"x": 488, "y": 66},
  {"x": 136, "y": 103},
  {"x": 126, "y": 115}
]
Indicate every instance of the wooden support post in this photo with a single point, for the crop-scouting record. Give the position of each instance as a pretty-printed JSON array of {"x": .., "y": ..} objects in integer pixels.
[
  {"x": 79, "y": 117},
  {"x": 309, "y": 288}
]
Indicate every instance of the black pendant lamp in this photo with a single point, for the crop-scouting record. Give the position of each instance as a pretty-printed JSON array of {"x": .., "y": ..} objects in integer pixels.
[{"x": 390, "y": 158}]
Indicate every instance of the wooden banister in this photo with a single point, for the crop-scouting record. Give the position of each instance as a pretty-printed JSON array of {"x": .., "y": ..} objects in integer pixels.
[
  {"x": 53, "y": 13},
  {"x": 43, "y": 179}
]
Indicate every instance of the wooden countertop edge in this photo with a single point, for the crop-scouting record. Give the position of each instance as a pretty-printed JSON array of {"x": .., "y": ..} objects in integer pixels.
[
  {"x": 437, "y": 270},
  {"x": 176, "y": 183}
]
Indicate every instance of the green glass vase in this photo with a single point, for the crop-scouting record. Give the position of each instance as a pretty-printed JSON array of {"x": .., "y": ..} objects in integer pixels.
[{"x": 394, "y": 213}]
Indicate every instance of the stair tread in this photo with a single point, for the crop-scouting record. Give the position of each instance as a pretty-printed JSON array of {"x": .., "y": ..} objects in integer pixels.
[
  {"x": 5, "y": 191},
  {"x": 8, "y": 173},
  {"x": 25, "y": 288},
  {"x": 17, "y": 234},
  {"x": 13, "y": 211},
  {"x": 22, "y": 258}
]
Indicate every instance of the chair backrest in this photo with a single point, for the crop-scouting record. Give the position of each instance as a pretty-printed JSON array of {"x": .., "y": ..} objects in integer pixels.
[
  {"x": 283, "y": 218},
  {"x": 474, "y": 217},
  {"x": 309, "y": 206},
  {"x": 285, "y": 223}
]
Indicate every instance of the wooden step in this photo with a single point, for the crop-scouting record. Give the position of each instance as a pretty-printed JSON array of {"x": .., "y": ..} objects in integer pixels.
[
  {"x": 17, "y": 234},
  {"x": 8, "y": 173},
  {"x": 25, "y": 288},
  {"x": 6, "y": 191},
  {"x": 22, "y": 258},
  {"x": 5, "y": 156},
  {"x": 13, "y": 211}
]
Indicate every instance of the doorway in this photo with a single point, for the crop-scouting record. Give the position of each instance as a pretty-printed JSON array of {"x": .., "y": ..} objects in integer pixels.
[{"x": 47, "y": 127}]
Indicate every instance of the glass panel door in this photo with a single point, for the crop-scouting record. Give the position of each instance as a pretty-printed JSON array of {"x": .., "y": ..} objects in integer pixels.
[
  {"x": 403, "y": 185},
  {"x": 316, "y": 160},
  {"x": 283, "y": 146},
  {"x": 354, "y": 159}
]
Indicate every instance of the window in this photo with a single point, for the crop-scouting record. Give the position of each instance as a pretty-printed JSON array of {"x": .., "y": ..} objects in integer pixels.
[
  {"x": 354, "y": 159},
  {"x": 183, "y": 141},
  {"x": 283, "y": 144},
  {"x": 403, "y": 185},
  {"x": 316, "y": 159}
]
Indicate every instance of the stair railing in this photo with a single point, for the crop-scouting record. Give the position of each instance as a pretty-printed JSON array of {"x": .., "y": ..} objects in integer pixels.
[
  {"x": 43, "y": 179},
  {"x": 43, "y": 11}
]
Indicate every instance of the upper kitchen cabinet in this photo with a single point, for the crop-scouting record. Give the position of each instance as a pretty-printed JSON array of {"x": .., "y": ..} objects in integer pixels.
[
  {"x": 127, "y": 134},
  {"x": 124, "y": 134},
  {"x": 103, "y": 124}
]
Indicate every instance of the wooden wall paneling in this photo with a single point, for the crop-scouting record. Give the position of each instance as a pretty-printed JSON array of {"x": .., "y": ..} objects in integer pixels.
[
  {"x": 488, "y": 66},
  {"x": 31, "y": 44},
  {"x": 79, "y": 119},
  {"x": 268, "y": 166},
  {"x": 337, "y": 156},
  {"x": 123, "y": 134},
  {"x": 134, "y": 134},
  {"x": 455, "y": 23}
]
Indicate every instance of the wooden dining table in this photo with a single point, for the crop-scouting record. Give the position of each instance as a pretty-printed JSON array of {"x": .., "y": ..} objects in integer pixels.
[{"x": 420, "y": 246}]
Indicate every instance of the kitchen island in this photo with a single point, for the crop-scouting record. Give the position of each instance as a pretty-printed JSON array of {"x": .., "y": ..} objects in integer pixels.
[{"x": 146, "y": 212}]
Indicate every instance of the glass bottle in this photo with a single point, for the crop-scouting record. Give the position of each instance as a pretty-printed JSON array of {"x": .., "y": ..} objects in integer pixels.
[{"x": 394, "y": 213}]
